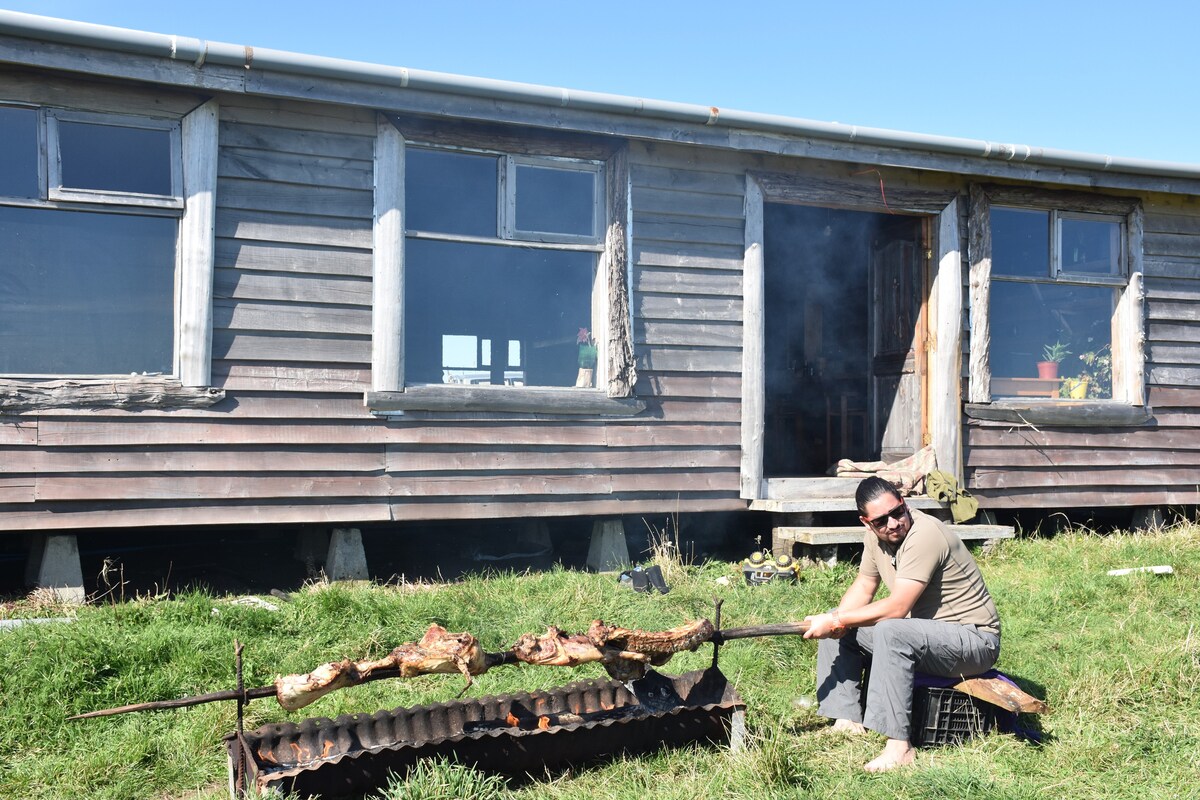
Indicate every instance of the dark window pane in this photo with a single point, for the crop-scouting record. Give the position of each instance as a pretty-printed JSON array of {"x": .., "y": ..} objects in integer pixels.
[
  {"x": 18, "y": 152},
  {"x": 450, "y": 192},
  {"x": 1026, "y": 317},
  {"x": 85, "y": 294},
  {"x": 115, "y": 158},
  {"x": 1091, "y": 247},
  {"x": 1020, "y": 242},
  {"x": 494, "y": 314},
  {"x": 555, "y": 200}
]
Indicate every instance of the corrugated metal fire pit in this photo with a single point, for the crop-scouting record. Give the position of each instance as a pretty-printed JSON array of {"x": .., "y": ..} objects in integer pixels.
[{"x": 512, "y": 734}]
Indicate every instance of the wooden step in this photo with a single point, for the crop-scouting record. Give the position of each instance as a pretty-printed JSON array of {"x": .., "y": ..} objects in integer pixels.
[
  {"x": 831, "y": 503},
  {"x": 783, "y": 537}
]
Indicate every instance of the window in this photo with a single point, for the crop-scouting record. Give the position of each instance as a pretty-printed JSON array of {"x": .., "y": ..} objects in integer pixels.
[
  {"x": 1057, "y": 279},
  {"x": 87, "y": 290},
  {"x": 501, "y": 257}
]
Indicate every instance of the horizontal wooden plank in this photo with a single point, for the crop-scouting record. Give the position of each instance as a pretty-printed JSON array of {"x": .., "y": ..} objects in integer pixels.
[
  {"x": 1156, "y": 438},
  {"x": 234, "y": 459},
  {"x": 273, "y": 257},
  {"x": 803, "y": 505},
  {"x": 672, "y": 435},
  {"x": 291, "y": 318},
  {"x": 487, "y": 508},
  {"x": 1158, "y": 289},
  {"x": 26, "y": 86},
  {"x": 302, "y": 142},
  {"x": 693, "y": 359},
  {"x": 678, "y": 281},
  {"x": 405, "y": 459},
  {"x": 1164, "y": 397},
  {"x": 680, "y": 482},
  {"x": 698, "y": 410},
  {"x": 1056, "y": 457},
  {"x": 255, "y": 347},
  {"x": 853, "y": 534},
  {"x": 649, "y": 253},
  {"x": 1160, "y": 221},
  {"x": 1066, "y": 413},
  {"x": 1173, "y": 332},
  {"x": 726, "y": 207},
  {"x": 1177, "y": 267},
  {"x": 16, "y": 489},
  {"x": 689, "y": 385},
  {"x": 240, "y": 285},
  {"x": 864, "y": 191},
  {"x": 292, "y": 198},
  {"x": 706, "y": 309},
  {"x": 989, "y": 478},
  {"x": 242, "y": 407},
  {"x": 60, "y": 432},
  {"x": 1173, "y": 376},
  {"x": 82, "y": 516},
  {"x": 237, "y": 377},
  {"x": 1184, "y": 354},
  {"x": 1172, "y": 310},
  {"x": 1170, "y": 244},
  {"x": 679, "y": 228},
  {"x": 291, "y": 113},
  {"x": 269, "y": 226},
  {"x": 18, "y": 432},
  {"x": 684, "y": 333},
  {"x": 311, "y": 171},
  {"x": 543, "y": 400},
  {"x": 215, "y": 487},
  {"x": 646, "y": 176},
  {"x": 1092, "y": 497}
]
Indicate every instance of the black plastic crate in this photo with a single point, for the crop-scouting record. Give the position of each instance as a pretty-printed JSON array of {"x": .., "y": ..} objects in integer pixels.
[{"x": 948, "y": 716}]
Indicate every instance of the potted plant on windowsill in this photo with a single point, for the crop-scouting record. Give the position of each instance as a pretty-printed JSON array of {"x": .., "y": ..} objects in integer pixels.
[
  {"x": 587, "y": 359},
  {"x": 1053, "y": 354}
]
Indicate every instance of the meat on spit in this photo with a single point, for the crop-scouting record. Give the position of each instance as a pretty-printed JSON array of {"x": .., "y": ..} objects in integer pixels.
[
  {"x": 439, "y": 651},
  {"x": 625, "y": 653}
]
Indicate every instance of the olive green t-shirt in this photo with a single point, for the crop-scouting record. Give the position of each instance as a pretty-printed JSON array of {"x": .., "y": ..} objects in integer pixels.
[{"x": 932, "y": 554}]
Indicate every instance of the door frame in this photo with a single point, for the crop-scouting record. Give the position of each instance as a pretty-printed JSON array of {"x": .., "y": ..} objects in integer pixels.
[{"x": 943, "y": 333}]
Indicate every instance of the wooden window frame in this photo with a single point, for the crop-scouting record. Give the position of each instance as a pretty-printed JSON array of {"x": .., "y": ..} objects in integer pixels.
[
  {"x": 53, "y": 161},
  {"x": 611, "y": 324},
  {"x": 194, "y": 181},
  {"x": 1126, "y": 407}
]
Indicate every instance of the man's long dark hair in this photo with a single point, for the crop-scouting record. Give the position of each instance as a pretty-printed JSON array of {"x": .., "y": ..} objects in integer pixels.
[{"x": 871, "y": 488}]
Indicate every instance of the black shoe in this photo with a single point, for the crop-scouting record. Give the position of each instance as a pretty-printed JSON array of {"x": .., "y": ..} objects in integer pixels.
[{"x": 655, "y": 576}]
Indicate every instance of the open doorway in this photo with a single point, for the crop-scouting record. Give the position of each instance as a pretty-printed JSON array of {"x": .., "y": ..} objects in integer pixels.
[{"x": 844, "y": 332}]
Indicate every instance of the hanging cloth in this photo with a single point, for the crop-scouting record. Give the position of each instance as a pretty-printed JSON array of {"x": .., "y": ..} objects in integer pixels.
[{"x": 943, "y": 487}]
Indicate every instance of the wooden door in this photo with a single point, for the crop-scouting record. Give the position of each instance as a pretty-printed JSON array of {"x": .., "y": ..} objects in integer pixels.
[{"x": 897, "y": 338}]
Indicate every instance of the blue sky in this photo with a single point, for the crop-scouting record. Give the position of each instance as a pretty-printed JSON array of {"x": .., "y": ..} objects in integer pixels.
[{"x": 1099, "y": 77}]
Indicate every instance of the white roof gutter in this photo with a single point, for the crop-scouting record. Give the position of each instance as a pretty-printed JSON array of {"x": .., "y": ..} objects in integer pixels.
[{"x": 200, "y": 52}]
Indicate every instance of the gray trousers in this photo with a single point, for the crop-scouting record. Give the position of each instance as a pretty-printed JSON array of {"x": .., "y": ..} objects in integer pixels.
[{"x": 897, "y": 648}]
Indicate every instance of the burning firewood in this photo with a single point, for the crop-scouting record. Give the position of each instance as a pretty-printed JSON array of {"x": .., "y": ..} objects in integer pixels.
[
  {"x": 439, "y": 651},
  {"x": 625, "y": 653}
]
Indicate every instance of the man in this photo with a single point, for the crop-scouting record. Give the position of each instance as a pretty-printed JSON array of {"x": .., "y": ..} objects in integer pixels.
[{"x": 938, "y": 618}]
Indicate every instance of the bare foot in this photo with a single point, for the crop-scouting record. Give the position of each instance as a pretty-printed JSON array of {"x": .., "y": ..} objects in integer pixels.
[
  {"x": 848, "y": 726},
  {"x": 896, "y": 753}
]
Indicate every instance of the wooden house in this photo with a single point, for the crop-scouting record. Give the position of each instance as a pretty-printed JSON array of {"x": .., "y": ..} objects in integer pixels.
[{"x": 244, "y": 286}]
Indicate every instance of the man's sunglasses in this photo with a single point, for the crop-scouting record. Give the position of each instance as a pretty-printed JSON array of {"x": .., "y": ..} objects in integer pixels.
[{"x": 898, "y": 513}]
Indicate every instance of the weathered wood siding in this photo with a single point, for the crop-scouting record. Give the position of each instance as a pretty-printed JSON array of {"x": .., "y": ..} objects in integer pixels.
[
  {"x": 1157, "y": 464},
  {"x": 293, "y": 443}
]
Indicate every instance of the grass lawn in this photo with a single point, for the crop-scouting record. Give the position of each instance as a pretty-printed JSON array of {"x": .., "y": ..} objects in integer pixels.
[{"x": 1117, "y": 658}]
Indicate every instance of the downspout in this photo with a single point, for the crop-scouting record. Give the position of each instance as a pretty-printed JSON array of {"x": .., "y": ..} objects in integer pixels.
[{"x": 200, "y": 52}]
